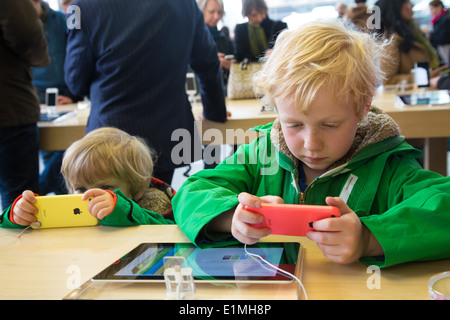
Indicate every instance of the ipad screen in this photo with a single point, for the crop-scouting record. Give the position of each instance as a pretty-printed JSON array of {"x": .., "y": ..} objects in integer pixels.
[{"x": 231, "y": 263}]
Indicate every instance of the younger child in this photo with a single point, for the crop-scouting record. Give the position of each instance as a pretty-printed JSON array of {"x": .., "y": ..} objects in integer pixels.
[
  {"x": 328, "y": 146},
  {"x": 103, "y": 161}
]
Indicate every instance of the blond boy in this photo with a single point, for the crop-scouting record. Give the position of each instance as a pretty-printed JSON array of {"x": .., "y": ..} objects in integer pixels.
[
  {"x": 115, "y": 169},
  {"x": 331, "y": 147}
]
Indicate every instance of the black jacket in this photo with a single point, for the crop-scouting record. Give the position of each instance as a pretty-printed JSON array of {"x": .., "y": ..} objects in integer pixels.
[
  {"x": 441, "y": 30},
  {"x": 22, "y": 45},
  {"x": 242, "y": 43}
]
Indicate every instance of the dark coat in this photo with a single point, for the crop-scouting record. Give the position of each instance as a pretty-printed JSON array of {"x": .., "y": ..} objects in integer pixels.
[
  {"x": 441, "y": 30},
  {"x": 242, "y": 43},
  {"x": 131, "y": 58},
  {"x": 22, "y": 45}
]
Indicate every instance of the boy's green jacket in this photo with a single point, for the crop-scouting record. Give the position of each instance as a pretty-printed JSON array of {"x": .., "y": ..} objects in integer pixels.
[{"x": 406, "y": 207}]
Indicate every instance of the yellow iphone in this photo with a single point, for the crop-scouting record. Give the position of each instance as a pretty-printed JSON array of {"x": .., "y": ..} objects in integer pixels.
[{"x": 62, "y": 211}]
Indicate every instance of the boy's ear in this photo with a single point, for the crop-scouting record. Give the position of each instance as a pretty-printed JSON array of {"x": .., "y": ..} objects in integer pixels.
[{"x": 365, "y": 110}]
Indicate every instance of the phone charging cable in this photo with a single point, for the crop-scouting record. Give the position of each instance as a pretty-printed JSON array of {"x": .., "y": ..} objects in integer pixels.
[{"x": 258, "y": 257}]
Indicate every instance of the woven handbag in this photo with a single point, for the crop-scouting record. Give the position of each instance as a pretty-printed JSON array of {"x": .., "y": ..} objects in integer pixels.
[{"x": 240, "y": 84}]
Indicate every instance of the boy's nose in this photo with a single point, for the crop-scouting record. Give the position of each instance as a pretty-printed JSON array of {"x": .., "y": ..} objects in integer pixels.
[{"x": 312, "y": 141}]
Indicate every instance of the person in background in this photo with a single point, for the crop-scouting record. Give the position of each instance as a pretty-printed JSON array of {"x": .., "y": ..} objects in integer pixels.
[
  {"x": 440, "y": 35},
  {"x": 65, "y": 4},
  {"x": 328, "y": 146},
  {"x": 213, "y": 12},
  {"x": 441, "y": 82},
  {"x": 22, "y": 46},
  {"x": 131, "y": 58},
  {"x": 409, "y": 45},
  {"x": 113, "y": 168},
  {"x": 255, "y": 38},
  {"x": 340, "y": 9},
  {"x": 358, "y": 15},
  {"x": 52, "y": 76}
]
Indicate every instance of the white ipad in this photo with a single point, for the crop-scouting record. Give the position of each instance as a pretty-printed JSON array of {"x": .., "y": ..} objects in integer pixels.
[{"x": 218, "y": 264}]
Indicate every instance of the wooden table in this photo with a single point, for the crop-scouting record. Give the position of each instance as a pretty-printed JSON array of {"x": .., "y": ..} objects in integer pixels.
[
  {"x": 60, "y": 134},
  {"x": 428, "y": 123},
  {"x": 42, "y": 264}
]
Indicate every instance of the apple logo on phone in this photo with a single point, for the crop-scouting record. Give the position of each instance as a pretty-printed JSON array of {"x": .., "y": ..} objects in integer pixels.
[{"x": 76, "y": 211}]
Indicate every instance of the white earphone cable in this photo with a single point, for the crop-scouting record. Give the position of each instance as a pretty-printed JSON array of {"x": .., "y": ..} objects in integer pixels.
[{"x": 258, "y": 257}]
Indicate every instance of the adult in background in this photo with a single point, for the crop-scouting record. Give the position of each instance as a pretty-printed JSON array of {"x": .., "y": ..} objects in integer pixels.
[
  {"x": 52, "y": 76},
  {"x": 131, "y": 58},
  {"x": 440, "y": 36},
  {"x": 65, "y": 4},
  {"x": 22, "y": 45},
  {"x": 213, "y": 11},
  {"x": 254, "y": 38},
  {"x": 409, "y": 45},
  {"x": 358, "y": 15},
  {"x": 340, "y": 9}
]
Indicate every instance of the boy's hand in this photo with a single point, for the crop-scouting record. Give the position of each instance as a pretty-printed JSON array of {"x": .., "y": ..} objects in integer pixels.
[
  {"x": 24, "y": 211},
  {"x": 344, "y": 239},
  {"x": 101, "y": 204},
  {"x": 241, "y": 227}
]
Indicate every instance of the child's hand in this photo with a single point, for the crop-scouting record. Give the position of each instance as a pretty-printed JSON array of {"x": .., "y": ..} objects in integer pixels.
[
  {"x": 101, "y": 204},
  {"x": 344, "y": 239},
  {"x": 24, "y": 211},
  {"x": 241, "y": 227}
]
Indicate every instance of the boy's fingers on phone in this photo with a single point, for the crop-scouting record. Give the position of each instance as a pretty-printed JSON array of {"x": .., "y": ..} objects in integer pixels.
[
  {"x": 96, "y": 205},
  {"x": 25, "y": 206},
  {"x": 327, "y": 224},
  {"x": 92, "y": 193},
  {"x": 103, "y": 213},
  {"x": 248, "y": 216},
  {"x": 339, "y": 203},
  {"x": 240, "y": 237},
  {"x": 323, "y": 238},
  {"x": 272, "y": 199},
  {"x": 247, "y": 234},
  {"x": 29, "y": 196},
  {"x": 24, "y": 219}
]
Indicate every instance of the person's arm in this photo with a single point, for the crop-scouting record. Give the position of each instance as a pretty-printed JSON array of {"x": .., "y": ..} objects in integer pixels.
[
  {"x": 444, "y": 82},
  {"x": 79, "y": 66},
  {"x": 414, "y": 216},
  {"x": 115, "y": 209},
  {"x": 205, "y": 62},
  {"x": 21, "y": 212},
  {"x": 206, "y": 203}
]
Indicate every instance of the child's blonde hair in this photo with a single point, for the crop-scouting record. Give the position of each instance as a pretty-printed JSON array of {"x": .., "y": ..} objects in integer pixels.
[
  {"x": 321, "y": 54},
  {"x": 108, "y": 153}
]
